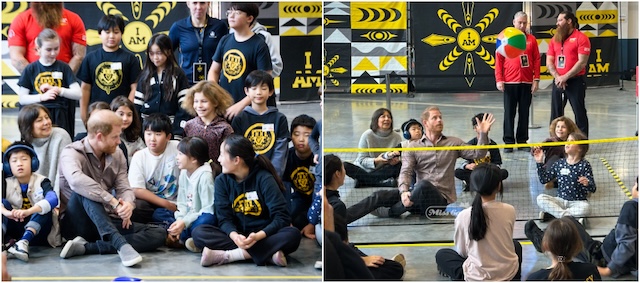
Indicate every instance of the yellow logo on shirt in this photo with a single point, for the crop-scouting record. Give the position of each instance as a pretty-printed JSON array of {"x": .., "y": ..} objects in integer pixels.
[
  {"x": 233, "y": 64},
  {"x": 247, "y": 207},
  {"x": 261, "y": 139},
  {"x": 303, "y": 180},
  {"x": 46, "y": 78},
  {"x": 108, "y": 78}
]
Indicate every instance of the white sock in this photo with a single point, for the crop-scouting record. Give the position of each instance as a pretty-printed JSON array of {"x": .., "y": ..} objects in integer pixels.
[{"x": 236, "y": 254}]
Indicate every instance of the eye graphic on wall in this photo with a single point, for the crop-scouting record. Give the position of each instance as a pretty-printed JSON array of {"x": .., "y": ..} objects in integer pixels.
[
  {"x": 379, "y": 35},
  {"x": 380, "y": 14},
  {"x": 597, "y": 17},
  {"x": 298, "y": 9},
  {"x": 548, "y": 11},
  {"x": 469, "y": 39}
]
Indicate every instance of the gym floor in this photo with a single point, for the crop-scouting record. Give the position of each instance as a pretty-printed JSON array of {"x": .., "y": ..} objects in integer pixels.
[{"x": 612, "y": 114}]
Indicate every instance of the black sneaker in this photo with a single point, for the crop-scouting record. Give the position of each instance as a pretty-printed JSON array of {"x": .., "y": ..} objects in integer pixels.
[
  {"x": 534, "y": 234},
  {"x": 595, "y": 254},
  {"x": 508, "y": 150},
  {"x": 391, "y": 182},
  {"x": 443, "y": 274},
  {"x": 524, "y": 148},
  {"x": 465, "y": 186},
  {"x": 545, "y": 217}
]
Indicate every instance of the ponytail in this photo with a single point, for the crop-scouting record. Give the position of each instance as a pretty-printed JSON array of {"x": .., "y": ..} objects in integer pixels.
[
  {"x": 478, "y": 224},
  {"x": 561, "y": 271},
  {"x": 485, "y": 179},
  {"x": 264, "y": 163},
  {"x": 562, "y": 240}
]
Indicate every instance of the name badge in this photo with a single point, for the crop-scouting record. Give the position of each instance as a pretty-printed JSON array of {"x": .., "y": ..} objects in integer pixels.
[
  {"x": 199, "y": 72},
  {"x": 561, "y": 62},
  {"x": 116, "y": 66},
  {"x": 565, "y": 171},
  {"x": 524, "y": 61},
  {"x": 268, "y": 128},
  {"x": 183, "y": 123},
  {"x": 56, "y": 75},
  {"x": 252, "y": 195}
]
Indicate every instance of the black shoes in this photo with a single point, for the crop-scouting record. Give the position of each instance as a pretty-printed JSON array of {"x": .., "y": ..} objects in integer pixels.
[
  {"x": 534, "y": 234},
  {"x": 508, "y": 150},
  {"x": 545, "y": 217}
]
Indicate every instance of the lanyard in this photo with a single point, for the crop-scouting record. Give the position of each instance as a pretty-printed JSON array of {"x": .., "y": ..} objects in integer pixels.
[{"x": 200, "y": 36}]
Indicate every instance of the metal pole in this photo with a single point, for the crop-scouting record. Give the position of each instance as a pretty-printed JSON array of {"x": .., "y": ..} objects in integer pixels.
[
  {"x": 387, "y": 77},
  {"x": 531, "y": 125}
]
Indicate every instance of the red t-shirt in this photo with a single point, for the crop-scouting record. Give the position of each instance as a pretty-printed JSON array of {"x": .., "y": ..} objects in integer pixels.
[
  {"x": 25, "y": 29},
  {"x": 522, "y": 69},
  {"x": 576, "y": 43}
]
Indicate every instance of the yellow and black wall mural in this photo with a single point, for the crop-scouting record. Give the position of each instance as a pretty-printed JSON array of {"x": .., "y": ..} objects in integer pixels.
[
  {"x": 296, "y": 26},
  {"x": 364, "y": 41},
  {"x": 455, "y": 44},
  {"x": 598, "y": 21}
]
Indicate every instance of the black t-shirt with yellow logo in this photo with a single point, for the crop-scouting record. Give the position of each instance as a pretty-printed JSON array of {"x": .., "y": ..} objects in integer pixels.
[
  {"x": 238, "y": 59},
  {"x": 268, "y": 132},
  {"x": 110, "y": 74},
  {"x": 297, "y": 173}
]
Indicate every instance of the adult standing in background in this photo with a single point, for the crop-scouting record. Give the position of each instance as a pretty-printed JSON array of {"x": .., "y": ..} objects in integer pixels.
[
  {"x": 518, "y": 78},
  {"x": 28, "y": 24},
  {"x": 566, "y": 60},
  {"x": 196, "y": 37}
]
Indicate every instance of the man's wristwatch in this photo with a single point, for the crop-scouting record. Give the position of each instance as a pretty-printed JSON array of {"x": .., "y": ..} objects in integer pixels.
[{"x": 115, "y": 206}]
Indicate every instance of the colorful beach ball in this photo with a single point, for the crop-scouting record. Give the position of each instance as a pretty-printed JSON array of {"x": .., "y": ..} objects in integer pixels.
[{"x": 511, "y": 42}]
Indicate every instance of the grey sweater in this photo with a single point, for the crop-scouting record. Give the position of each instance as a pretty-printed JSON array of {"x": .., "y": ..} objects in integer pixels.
[
  {"x": 48, "y": 151},
  {"x": 371, "y": 139}
]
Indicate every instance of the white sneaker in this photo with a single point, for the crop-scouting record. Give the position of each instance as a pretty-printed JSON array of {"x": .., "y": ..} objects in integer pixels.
[
  {"x": 191, "y": 246},
  {"x": 74, "y": 247},
  {"x": 20, "y": 250},
  {"x": 400, "y": 259}
]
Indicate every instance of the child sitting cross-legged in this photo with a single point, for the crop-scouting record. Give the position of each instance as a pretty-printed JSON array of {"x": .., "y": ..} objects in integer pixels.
[{"x": 28, "y": 201}]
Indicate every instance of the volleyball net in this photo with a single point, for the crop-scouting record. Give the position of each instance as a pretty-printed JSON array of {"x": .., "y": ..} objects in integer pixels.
[{"x": 614, "y": 164}]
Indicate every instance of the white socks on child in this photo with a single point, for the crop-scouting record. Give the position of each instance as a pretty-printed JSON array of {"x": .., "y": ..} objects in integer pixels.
[{"x": 235, "y": 254}]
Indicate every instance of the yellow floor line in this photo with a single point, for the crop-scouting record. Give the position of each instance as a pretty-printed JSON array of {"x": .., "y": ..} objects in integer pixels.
[{"x": 449, "y": 244}]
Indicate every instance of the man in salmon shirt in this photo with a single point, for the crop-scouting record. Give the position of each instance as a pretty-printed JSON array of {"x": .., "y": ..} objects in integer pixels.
[
  {"x": 566, "y": 60},
  {"x": 518, "y": 78}
]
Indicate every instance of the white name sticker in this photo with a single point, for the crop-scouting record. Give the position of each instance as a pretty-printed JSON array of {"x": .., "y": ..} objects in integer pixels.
[
  {"x": 565, "y": 171},
  {"x": 252, "y": 196},
  {"x": 56, "y": 75},
  {"x": 268, "y": 128},
  {"x": 116, "y": 66}
]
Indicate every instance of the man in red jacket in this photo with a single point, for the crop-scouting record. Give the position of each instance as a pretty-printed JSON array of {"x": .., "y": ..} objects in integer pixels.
[{"x": 518, "y": 78}]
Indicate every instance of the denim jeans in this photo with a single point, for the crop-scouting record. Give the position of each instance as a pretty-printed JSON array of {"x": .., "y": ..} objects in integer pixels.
[
  {"x": 89, "y": 219},
  {"x": 14, "y": 230},
  {"x": 204, "y": 218}
]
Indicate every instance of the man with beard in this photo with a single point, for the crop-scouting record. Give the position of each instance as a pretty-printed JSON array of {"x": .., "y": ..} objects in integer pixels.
[
  {"x": 97, "y": 221},
  {"x": 518, "y": 78},
  {"x": 566, "y": 60},
  {"x": 28, "y": 24},
  {"x": 434, "y": 171}
]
